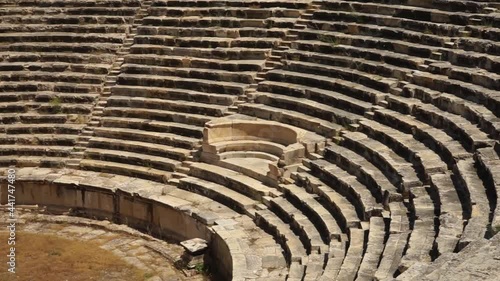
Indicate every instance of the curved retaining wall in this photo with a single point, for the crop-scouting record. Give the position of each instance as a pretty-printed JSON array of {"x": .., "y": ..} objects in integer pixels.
[{"x": 134, "y": 202}]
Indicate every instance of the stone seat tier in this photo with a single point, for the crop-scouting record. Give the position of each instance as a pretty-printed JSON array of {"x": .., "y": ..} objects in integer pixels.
[
  {"x": 86, "y": 80},
  {"x": 482, "y": 78},
  {"x": 157, "y": 115},
  {"x": 331, "y": 97},
  {"x": 334, "y": 262},
  {"x": 62, "y": 47},
  {"x": 377, "y": 71},
  {"x": 232, "y": 53},
  {"x": 193, "y": 62},
  {"x": 94, "y": 11},
  {"x": 409, "y": 48},
  {"x": 132, "y": 158},
  {"x": 316, "y": 109},
  {"x": 369, "y": 80},
  {"x": 403, "y": 61},
  {"x": 449, "y": 206},
  {"x": 393, "y": 251},
  {"x": 470, "y": 44},
  {"x": 348, "y": 186},
  {"x": 488, "y": 161},
  {"x": 449, "y": 149},
  {"x": 425, "y": 160},
  {"x": 229, "y": 88},
  {"x": 354, "y": 255},
  {"x": 397, "y": 169},
  {"x": 484, "y": 32},
  {"x": 64, "y": 19},
  {"x": 470, "y": 135},
  {"x": 397, "y": 46},
  {"x": 33, "y": 161},
  {"x": 451, "y": 265},
  {"x": 445, "y": 194},
  {"x": 173, "y": 94},
  {"x": 62, "y": 37},
  {"x": 241, "y": 12},
  {"x": 125, "y": 169},
  {"x": 478, "y": 224},
  {"x": 198, "y": 21},
  {"x": 152, "y": 125},
  {"x": 18, "y": 107},
  {"x": 169, "y": 105},
  {"x": 374, "y": 249},
  {"x": 380, "y": 31},
  {"x": 188, "y": 72},
  {"x": 343, "y": 210},
  {"x": 454, "y": 125},
  {"x": 227, "y": 21},
  {"x": 68, "y": 28},
  {"x": 219, "y": 193},
  {"x": 47, "y": 96},
  {"x": 344, "y": 87},
  {"x": 384, "y": 20},
  {"x": 486, "y": 97},
  {"x": 291, "y": 117},
  {"x": 271, "y": 223},
  {"x": 300, "y": 224},
  {"x": 79, "y": 3},
  {"x": 383, "y": 73},
  {"x": 233, "y": 180},
  {"x": 452, "y": 6},
  {"x": 60, "y": 87},
  {"x": 314, "y": 268},
  {"x": 324, "y": 221},
  {"x": 475, "y": 113},
  {"x": 39, "y": 139},
  {"x": 35, "y": 150},
  {"x": 420, "y": 245},
  {"x": 302, "y": 4},
  {"x": 401, "y": 11},
  {"x": 478, "y": 45},
  {"x": 382, "y": 189},
  {"x": 48, "y": 57},
  {"x": 372, "y": 81},
  {"x": 65, "y": 129},
  {"x": 30, "y": 118},
  {"x": 139, "y": 147},
  {"x": 42, "y": 107},
  {"x": 86, "y": 69},
  {"x": 220, "y": 32},
  {"x": 147, "y": 136},
  {"x": 207, "y": 42}
]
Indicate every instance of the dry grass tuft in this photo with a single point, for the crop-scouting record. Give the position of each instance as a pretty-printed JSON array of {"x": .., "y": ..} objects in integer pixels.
[{"x": 41, "y": 257}]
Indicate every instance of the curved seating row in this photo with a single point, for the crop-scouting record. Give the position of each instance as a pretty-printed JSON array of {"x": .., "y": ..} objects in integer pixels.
[
  {"x": 54, "y": 58},
  {"x": 377, "y": 68},
  {"x": 190, "y": 62}
]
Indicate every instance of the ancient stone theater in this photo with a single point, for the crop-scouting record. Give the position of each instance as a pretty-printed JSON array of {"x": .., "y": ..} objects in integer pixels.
[{"x": 296, "y": 139}]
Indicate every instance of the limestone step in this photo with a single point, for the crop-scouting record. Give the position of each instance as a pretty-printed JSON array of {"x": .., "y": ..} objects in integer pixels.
[{"x": 219, "y": 193}]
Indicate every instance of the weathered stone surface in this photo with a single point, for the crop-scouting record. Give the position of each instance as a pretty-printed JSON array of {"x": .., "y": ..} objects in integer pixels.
[{"x": 342, "y": 140}]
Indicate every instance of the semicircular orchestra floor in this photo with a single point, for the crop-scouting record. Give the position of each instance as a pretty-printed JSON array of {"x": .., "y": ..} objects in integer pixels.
[{"x": 78, "y": 249}]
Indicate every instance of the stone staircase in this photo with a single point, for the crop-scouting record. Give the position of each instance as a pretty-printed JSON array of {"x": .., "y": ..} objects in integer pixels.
[{"x": 95, "y": 118}]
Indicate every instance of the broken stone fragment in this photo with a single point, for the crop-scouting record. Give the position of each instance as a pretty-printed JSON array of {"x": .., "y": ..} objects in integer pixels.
[{"x": 195, "y": 246}]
